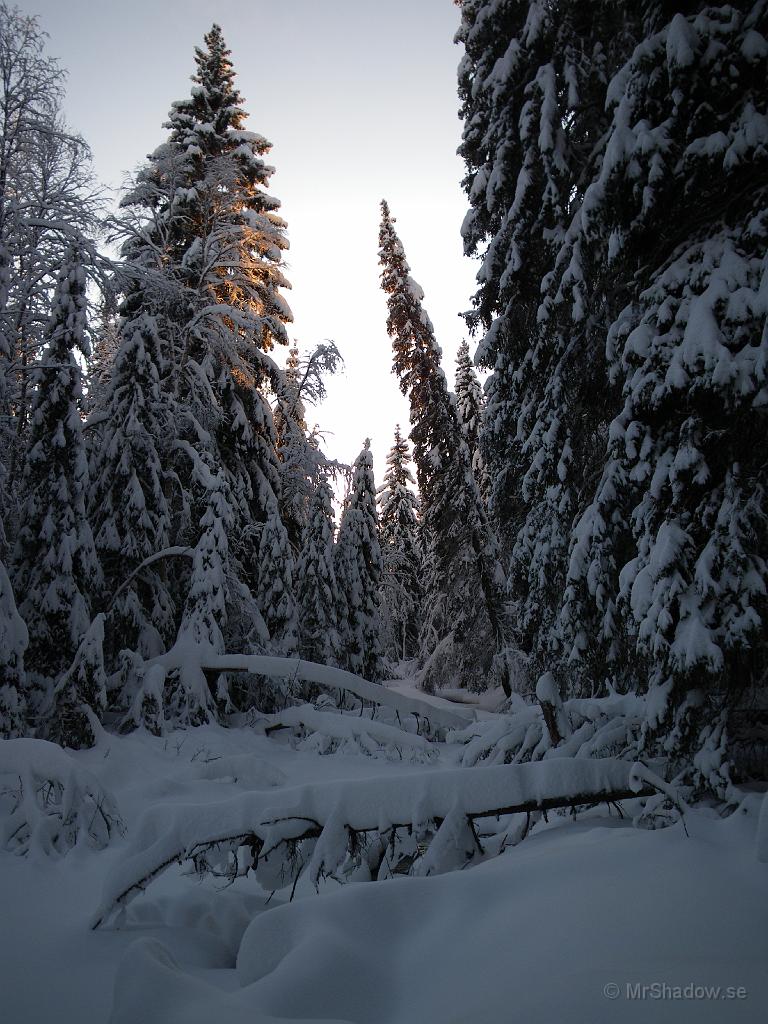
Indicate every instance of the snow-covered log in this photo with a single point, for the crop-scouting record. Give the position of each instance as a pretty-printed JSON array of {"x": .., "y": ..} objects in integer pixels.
[
  {"x": 345, "y": 829},
  {"x": 326, "y": 676},
  {"x": 328, "y": 731},
  {"x": 49, "y": 803}
]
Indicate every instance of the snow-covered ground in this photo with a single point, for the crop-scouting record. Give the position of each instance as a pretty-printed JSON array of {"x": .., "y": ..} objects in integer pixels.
[{"x": 567, "y": 926}]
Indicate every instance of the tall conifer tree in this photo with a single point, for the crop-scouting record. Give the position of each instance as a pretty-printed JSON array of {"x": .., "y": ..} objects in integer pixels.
[
  {"x": 469, "y": 408},
  {"x": 626, "y": 344},
  {"x": 358, "y": 571},
  {"x": 533, "y": 83},
  {"x": 316, "y": 584},
  {"x": 292, "y": 446},
  {"x": 464, "y": 620},
  {"x": 402, "y": 557},
  {"x": 56, "y": 567},
  {"x": 227, "y": 240},
  {"x": 130, "y": 509},
  {"x": 275, "y": 594},
  {"x": 204, "y": 253},
  {"x": 669, "y": 562}
]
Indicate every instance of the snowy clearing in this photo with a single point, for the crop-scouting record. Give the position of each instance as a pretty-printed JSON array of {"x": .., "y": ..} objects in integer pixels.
[{"x": 536, "y": 932}]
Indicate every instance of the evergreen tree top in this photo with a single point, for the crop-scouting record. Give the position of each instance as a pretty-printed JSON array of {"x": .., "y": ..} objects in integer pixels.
[
  {"x": 469, "y": 394},
  {"x": 363, "y": 467},
  {"x": 214, "y": 99},
  {"x": 398, "y": 473},
  {"x": 408, "y": 324},
  {"x": 397, "y": 502},
  {"x": 211, "y": 119},
  {"x": 68, "y": 327},
  {"x": 201, "y": 219},
  {"x": 215, "y": 67},
  {"x": 362, "y": 491}
]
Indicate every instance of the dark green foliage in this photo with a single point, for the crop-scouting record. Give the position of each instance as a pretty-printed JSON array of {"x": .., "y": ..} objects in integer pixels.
[
  {"x": 402, "y": 555},
  {"x": 464, "y": 624}
]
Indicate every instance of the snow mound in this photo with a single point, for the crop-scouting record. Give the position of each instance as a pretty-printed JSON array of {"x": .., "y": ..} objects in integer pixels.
[
  {"x": 430, "y": 949},
  {"x": 243, "y": 769}
]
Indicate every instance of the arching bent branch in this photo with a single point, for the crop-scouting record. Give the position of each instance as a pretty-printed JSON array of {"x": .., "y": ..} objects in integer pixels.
[{"x": 159, "y": 556}]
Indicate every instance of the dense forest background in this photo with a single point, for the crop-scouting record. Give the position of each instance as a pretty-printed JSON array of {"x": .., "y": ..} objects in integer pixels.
[{"x": 590, "y": 524}]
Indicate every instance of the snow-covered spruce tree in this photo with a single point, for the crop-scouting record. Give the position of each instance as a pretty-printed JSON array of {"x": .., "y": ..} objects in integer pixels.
[
  {"x": 188, "y": 697},
  {"x": 464, "y": 621},
  {"x": 358, "y": 573},
  {"x": 56, "y": 567},
  {"x": 401, "y": 553},
  {"x": 228, "y": 242},
  {"x": 671, "y": 556},
  {"x": 129, "y": 508},
  {"x": 143, "y": 498},
  {"x": 105, "y": 344},
  {"x": 275, "y": 594},
  {"x": 302, "y": 462},
  {"x": 532, "y": 84},
  {"x": 469, "y": 408},
  {"x": 13, "y": 644},
  {"x": 650, "y": 333},
  {"x": 292, "y": 441},
  {"x": 81, "y": 694},
  {"x": 205, "y": 253},
  {"x": 316, "y": 585}
]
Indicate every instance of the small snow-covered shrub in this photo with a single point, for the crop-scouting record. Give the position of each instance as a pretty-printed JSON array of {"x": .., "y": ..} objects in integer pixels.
[
  {"x": 48, "y": 803},
  {"x": 597, "y": 727}
]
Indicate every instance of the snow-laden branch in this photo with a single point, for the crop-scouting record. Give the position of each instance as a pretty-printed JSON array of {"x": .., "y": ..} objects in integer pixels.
[
  {"x": 593, "y": 727},
  {"x": 158, "y": 556},
  {"x": 49, "y": 803},
  {"x": 344, "y": 828},
  {"x": 336, "y": 679},
  {"x": 188, "y": 657}
]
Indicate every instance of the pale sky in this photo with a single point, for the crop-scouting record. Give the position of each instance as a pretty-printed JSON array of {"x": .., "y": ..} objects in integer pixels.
[{"x": 358, "y": 98}]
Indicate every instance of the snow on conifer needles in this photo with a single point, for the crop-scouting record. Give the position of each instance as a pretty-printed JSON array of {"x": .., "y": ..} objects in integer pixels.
[
  {"x": 621, "y": 224},
  {"x": 464, "y": 624}
]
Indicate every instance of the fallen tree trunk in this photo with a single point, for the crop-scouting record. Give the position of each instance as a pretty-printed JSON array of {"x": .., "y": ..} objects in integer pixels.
[
  {"x": 344, "y": 829},
  {"x": 337, "y": 679},
  {"x": 193, "y": 659}
]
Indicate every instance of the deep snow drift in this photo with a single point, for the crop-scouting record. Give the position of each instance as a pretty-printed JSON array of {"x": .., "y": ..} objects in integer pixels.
[{"x": 540, "y": 933}]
